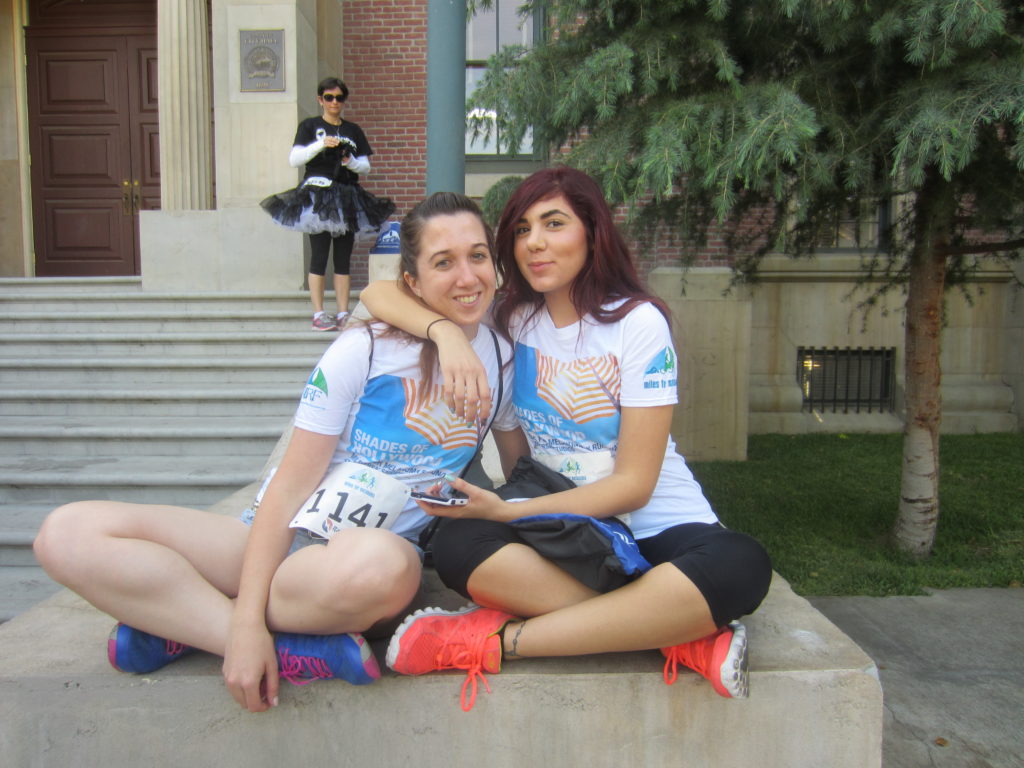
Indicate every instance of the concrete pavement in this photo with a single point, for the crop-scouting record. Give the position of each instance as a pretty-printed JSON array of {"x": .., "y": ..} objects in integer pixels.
[{"x": 952, "y": 671}]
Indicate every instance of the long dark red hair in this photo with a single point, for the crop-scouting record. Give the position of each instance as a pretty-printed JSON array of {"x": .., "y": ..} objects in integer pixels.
[{"x": 608, "y": 274}]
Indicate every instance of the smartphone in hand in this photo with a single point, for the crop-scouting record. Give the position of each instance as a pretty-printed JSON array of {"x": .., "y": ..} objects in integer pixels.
[{"x": 444, "y": 501}]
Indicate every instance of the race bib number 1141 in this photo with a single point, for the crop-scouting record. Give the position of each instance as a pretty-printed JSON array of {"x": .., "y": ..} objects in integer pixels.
[{"x": 352, "y": 495}]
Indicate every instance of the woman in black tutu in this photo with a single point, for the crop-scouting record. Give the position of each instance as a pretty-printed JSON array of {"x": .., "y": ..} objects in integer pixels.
[{"x": 329, "y": 205}]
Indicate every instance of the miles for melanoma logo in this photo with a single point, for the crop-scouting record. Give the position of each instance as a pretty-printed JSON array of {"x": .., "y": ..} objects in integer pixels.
[
  {"x": 316, "y": 390},
  {"x": 661, "y": 371}
]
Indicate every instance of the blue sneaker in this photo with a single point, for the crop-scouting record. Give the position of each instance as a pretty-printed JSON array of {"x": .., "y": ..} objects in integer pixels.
[
  {"x": 303, "y": 659},
  {"x": 132, "y": 650}
]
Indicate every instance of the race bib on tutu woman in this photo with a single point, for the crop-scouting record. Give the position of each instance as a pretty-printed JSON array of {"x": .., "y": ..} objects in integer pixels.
[{"x": 352, "y": 495}]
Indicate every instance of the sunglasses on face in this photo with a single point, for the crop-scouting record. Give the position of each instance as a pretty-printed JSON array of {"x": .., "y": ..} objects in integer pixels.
[{"x": 329, "y": 97}]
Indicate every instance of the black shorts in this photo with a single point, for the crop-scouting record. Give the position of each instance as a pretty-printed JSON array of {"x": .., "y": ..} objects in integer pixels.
[{"x": 731, "y": 570}]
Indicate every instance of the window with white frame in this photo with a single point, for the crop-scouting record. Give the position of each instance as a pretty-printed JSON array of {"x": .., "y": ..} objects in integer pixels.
[{"x": 487, "y": 31}]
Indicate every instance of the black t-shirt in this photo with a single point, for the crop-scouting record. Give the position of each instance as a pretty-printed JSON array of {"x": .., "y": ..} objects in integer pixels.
[{"x": 328, "y": 162}]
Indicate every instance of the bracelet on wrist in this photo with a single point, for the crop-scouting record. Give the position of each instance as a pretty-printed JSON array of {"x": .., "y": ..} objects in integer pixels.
[{"x": 432, "y": 322}]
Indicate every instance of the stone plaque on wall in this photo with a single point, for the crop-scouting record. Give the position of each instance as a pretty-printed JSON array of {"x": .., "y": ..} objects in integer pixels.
[{"x": 261, "y": 53}]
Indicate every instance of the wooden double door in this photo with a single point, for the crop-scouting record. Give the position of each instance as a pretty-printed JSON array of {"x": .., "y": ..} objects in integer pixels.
[{"x": 95, "y": 146}]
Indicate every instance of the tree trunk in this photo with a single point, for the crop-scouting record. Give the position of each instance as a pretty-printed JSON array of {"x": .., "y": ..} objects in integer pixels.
[{"x": 918, "y": 516}]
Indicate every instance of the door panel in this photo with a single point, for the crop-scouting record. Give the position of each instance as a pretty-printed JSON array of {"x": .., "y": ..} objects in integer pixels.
[
  {"x": 81, "y": 157},
  {"x": 144, "y": 119},
  {"x": 78, "y": 83},
  {"x": 84, "y": 233}
]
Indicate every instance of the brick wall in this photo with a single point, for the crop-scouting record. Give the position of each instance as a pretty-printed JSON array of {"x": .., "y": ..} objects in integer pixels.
[{"x": 385, "y": 55}]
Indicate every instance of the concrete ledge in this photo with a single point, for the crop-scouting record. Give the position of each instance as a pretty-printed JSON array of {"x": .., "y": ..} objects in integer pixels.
[{"x": 815, "y": 700}]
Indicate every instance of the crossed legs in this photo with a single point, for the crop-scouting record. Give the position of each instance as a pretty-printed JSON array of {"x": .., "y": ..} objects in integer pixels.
[
  {"x": 661, "y": 608},
  {"x": 173, "y": 572}
]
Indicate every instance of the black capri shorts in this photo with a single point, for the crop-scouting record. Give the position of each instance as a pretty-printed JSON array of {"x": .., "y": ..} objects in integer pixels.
[{"x": 731, "y": 570}]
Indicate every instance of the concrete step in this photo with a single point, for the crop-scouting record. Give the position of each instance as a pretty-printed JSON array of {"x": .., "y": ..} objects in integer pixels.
[
  {"x": 110, "y": 392},
  {"x": 16, "y": 549},
  {"x": 155, "y": 321},
  {"x": 298, "y": 342},
  {"x": 241, "y": 401},
  {"x": 23, "y": 519},
  {"x": 21, "y": 286},
  {"x": 180, "y": 436},
  {"x": 39, "y": 301},
  {"x": 23, "y": 587},
  {"x": 184, "y": 481},
  {"x": 815, "y": 701},
  {"x": 156, "y": 370}
]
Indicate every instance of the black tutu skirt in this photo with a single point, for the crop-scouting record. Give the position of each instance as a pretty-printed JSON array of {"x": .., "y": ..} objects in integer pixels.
[{"x": 338, "y": 209}]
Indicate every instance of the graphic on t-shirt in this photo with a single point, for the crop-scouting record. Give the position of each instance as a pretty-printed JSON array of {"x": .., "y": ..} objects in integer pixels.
[
  {"x": 316, "y": 389},
  {"x": 429, "y": 415},
  {"x": 570, "y": 467},
  {"x": 566, "y": 407},
  {"x": 425, "y": 435},
  {"x": 581, "y": 390},
  {"x": 660, "y": 372}
]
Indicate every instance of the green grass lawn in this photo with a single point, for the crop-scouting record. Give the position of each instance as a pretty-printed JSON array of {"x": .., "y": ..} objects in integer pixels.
[{"x": 824, "y": 507}]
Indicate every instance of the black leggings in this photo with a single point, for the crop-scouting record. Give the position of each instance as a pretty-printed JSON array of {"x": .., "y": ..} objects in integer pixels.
[
  {"x": 731, "y": 570},
  {"x": 320, "y": 245}
]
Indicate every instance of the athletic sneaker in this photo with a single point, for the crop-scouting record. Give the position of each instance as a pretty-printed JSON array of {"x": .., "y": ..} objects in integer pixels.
[
  {"x": 340, "y": 319},
  {"x": 324, "y": 322},
  {"x": 432, "y": 639},
  {"x": 721, "y": 657},
  {"x": 132, "y": 650},
  {"x": 303, "y": 659}
]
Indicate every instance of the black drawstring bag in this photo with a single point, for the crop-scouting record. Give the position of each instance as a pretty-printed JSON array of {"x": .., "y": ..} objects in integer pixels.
[{"x": 600, "y": 553}]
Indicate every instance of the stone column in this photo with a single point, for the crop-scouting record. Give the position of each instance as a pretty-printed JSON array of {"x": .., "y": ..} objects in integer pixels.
[
  {"x": 711, "y": 331},
  {"x": 183, "y": 56}
]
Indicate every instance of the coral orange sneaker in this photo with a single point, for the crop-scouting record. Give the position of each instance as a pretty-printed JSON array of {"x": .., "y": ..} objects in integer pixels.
[
  {"x": 433, "y": 639},
  {"x": 721, "y": 657}
]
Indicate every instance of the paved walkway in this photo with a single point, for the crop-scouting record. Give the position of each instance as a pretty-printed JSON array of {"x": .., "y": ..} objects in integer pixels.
[{"x": 952, "y": 672}]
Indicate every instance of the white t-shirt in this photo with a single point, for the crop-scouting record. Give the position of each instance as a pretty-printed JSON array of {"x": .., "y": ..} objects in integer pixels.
[
  {"x": 382, "y": 421},
  {"x": 569, "y": 386}
]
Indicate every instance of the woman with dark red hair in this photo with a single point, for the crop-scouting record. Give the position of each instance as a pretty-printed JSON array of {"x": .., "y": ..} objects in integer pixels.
[{"x": 594, "y": 387}]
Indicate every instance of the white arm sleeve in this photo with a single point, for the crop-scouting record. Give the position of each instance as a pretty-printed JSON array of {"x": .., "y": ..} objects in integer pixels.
[
  {"x": 301, "y": 155},
  {"x": 360, "y": 165}
]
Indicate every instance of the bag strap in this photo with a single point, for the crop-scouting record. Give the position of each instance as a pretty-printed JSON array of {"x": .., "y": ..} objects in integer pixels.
[
  {"x": 428, "y": 533},
  {"x": 497, "y": 405}
]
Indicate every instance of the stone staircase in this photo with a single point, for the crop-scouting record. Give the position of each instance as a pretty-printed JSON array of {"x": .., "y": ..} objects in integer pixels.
[{"x": 109, "y": 392}]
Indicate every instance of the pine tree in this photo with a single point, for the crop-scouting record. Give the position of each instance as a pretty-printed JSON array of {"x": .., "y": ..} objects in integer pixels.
[{"x": 790, "y": 113}]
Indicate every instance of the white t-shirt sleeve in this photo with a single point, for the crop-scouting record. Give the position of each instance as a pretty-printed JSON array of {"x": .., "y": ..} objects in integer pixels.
[
  {"x": 336, "y": 384},
  {"x": 649, "y": 367}
]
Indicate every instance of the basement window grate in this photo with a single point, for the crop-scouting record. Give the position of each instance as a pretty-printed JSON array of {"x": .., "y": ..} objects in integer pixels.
[{"x": 847, "y": 379}]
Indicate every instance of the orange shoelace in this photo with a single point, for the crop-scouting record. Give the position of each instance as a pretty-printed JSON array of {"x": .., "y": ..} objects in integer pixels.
[
  {"x": 696, "y": 655},
  {"x": 468, "y": 655}
]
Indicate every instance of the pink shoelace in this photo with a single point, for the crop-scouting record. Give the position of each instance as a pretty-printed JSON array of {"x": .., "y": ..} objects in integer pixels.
[
  {"x": 301, "y": 670},
  {"x": 175, "y": 649}
]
